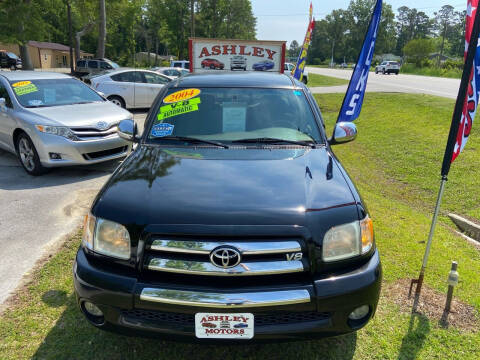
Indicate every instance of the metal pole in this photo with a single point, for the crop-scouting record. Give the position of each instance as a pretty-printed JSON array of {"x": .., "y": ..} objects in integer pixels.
[
  {"x": 430, "y": 238},
  {"x": 452, "y": 282},
  {"x": 333, "y": 48}
]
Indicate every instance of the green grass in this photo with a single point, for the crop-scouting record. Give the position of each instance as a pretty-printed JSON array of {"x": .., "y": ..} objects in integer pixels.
[
  {"x": 395, "y": 163},
  {"x": 315, "y": 80},
  {"x": 431, "y": 71}
]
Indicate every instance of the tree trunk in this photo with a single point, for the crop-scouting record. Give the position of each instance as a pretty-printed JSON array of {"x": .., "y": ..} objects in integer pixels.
[
  {"x": 70, "y": 37},
  {"x": 102, "y": 30},
  {"x": 25, "y": 55},
  {"x": 86, "y": 29},
  {"x": 443, "y": 45},
  {"x": 192, "y": 18},
  {"x": 156, "y": 51}
]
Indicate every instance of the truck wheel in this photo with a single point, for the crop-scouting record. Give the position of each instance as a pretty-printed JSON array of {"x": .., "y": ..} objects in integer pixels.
[
  {"x": 28, "y": 156},
  {"x": 117, "y": 100}
]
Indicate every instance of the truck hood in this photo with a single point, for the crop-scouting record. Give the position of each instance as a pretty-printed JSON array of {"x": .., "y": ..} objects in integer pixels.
[
  {"x": 223, "y": 187},
  {"x": 79, "y": 115}
]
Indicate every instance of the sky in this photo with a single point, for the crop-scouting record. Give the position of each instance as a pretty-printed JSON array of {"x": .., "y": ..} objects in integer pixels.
[{"x": 287, "y": 19}]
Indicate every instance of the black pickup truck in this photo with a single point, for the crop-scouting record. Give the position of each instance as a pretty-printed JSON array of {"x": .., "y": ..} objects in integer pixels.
[
  {"x": 10, "y": 60},
  {"x": 231, "y": 221}
]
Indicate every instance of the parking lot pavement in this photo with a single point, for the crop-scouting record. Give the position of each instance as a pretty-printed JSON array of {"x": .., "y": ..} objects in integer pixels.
[
  {"x": 402, "y": 83},
  {"x": 36, "y": 213}
]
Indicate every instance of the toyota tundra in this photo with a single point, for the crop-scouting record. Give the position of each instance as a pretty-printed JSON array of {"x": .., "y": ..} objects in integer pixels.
[{"x": 231, "y": 221}]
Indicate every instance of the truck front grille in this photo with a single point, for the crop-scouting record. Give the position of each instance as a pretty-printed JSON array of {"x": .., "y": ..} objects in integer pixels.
[
  {"x": 225, "y": 258},
  {"x": 278, "y": 318}
]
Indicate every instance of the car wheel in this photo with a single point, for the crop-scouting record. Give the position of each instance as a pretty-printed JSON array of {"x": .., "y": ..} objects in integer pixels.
[
  {"x": 244, "y": 69},
  {"x": 383, "y": 71},
  {"x": 28, "y": 156},
  {"x": 13, "y": 67},
  {"x": 117, "y": 100},
  {"x": 203, "y": 66},
  {"x": 376, "y": 71},
  {"x": 212, "y": 67},
  {"x": 304, "y": 80}
]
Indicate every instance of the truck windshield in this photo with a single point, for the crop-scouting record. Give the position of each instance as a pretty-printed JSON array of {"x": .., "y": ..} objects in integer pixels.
[
  {"x": 53, "y": 92},
  {"x": 233, "y": 115}
]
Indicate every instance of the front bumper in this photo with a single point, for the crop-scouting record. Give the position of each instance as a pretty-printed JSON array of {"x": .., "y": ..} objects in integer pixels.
[
  {"x": 79, "y": 152},
  {"x": 292, "y": 312}
]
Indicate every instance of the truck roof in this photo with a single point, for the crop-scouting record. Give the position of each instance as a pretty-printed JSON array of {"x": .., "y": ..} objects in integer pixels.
[{"x": 241, "y": 79}]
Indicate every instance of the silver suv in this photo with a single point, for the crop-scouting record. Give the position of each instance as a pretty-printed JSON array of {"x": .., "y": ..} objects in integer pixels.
[
  {"x": 388, "y": 67},
  {"x": 51, "y": 119}
]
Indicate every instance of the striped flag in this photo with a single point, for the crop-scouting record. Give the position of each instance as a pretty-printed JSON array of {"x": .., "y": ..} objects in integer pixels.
[
  {"x": 468, "y": 96},
  {"x": 302, "y": 57}
]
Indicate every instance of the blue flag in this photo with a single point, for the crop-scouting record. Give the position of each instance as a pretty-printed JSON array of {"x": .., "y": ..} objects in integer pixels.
[{"x": 352, "y": 104}]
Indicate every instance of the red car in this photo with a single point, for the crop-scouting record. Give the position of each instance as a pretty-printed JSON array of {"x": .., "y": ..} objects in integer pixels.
[
  {"x": 212, "y": 64},
  {"x": 209, "y": 325}
]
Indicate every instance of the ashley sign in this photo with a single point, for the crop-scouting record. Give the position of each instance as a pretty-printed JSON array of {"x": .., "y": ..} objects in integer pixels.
[{"x": 236, "y": 55}]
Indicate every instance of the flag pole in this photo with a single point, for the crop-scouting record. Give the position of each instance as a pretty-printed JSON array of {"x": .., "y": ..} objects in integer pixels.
[
  {"x": 447, "y": 160},
  {"x": 419, "y": 281}
]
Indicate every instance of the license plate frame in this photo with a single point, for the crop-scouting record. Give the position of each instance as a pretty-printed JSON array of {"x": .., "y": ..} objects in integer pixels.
[{"x": 224, "y": 325}]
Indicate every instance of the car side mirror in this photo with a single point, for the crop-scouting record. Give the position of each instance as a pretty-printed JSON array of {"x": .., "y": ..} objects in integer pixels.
[
  {"x": 3, "y": 104},
  {"x": 127, "y": 129},
  {"x": 344, "y": 132}
]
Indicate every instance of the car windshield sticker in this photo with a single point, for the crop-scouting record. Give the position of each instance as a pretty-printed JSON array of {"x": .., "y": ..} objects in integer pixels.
[
  {"x": 24, "y": 88},
  {"x": 178, "y": 108},
  {"x": 298, "y": 92},
  {"x": 234, "y": 118},
  {"x": 181, "y": 95},
  {"x": 35, "y": 102},
  {"x": 162, "y": 129},
  {"x": 186, "y": 155}
]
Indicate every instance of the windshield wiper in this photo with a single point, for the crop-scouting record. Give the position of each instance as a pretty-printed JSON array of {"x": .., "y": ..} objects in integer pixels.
[
  {"x": 269, "y": 140},
  {"x": 192, "y": 139}
]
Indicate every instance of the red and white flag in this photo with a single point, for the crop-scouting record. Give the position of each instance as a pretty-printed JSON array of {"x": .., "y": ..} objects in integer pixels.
[{"x": 462, "y": 125}]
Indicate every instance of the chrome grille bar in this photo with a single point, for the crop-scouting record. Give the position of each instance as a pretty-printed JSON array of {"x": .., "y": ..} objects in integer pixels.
[
  {"x": 242, "y": 269},
  {"x": 245, "y": 248},
  {"x": 225, "y": 300}
]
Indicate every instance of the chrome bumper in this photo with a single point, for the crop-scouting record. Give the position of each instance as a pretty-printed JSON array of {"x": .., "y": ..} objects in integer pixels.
[{"x": 225, "y": 300}]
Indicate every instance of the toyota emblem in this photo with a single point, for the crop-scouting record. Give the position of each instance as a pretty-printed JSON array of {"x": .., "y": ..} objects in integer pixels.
[
  {"x": 102, "y": 125},
  {"x": 225, "y": 257}
]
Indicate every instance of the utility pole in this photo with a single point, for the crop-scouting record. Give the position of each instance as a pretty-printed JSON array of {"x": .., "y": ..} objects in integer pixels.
[
  {"x": 333, "y": 49},
  {"x": 70, "y": 36}
]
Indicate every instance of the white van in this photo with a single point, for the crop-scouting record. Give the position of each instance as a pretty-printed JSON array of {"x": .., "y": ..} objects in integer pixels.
[{"x": 184, "y": 64}]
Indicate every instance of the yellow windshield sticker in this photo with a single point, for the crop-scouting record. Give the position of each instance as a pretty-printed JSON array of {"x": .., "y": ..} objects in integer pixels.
[
  {"x": 21, "y": 83},
  {"x": 178, "y": 108},
  {"x": 181, "y": 95},
  {"x": 25, "y": 89}
]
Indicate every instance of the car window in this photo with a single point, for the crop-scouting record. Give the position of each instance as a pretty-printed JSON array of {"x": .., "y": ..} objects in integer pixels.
[
  {"x": 104, "y": 65},
  {"x": 177, "y": 64},
  {"x": 93, "y": 64},
  {"x": 151, "y": 78},
  {"x": 235, "y": 113},
  {"x": 4, "y": 94},
  {"x": 128, "y": 76},
  {"x": 53, "y": 92},
  {"x": 12, "y": 55},
  {"x": 81, "y": 63}
]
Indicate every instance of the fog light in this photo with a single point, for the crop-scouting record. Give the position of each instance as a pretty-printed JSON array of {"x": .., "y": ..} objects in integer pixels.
[
  {"x": 92, "y": 309},
  {"x": 359, "y": 313},
  {"x": 55, "y": 156}
]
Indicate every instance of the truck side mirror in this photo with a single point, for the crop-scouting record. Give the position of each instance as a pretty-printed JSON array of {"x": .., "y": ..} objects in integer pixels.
[
  {"x": 127, "y": 129},
  {"x": 344, "y": 132}
]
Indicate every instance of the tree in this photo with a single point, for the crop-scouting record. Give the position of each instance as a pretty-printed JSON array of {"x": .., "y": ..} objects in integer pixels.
[
  {"x": 102, "y": 29},
  {"x": 444, "y": 20},
  {"x": 418, "y": 50},
  {"x": 294, "y": 49}
]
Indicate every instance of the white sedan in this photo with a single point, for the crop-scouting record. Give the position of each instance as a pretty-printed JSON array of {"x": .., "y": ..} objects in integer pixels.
[{"x": 130, "y": 88}]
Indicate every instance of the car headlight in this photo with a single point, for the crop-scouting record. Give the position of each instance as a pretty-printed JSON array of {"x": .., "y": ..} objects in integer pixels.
[
  {"x": 57, "y": 130},
  {"x": 106, "y": 237},
  {"x": 348, "y": 240}
]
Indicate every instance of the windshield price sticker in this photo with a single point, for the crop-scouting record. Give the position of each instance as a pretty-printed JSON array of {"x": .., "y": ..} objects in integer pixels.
[
  {"x": 178, "y": 108},
  {"x": 162, "y": 129},
  {"x": 181, "y": 95},
  {"x": 24, "y": 88},
  {"x": 224, "y": 326}
]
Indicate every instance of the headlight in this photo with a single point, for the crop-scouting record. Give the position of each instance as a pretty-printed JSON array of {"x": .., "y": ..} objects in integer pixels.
[
  {"x": 106, "y": 237},
  {"x": 57, "y": 130},
  {"x": 348, "y": 240}
]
